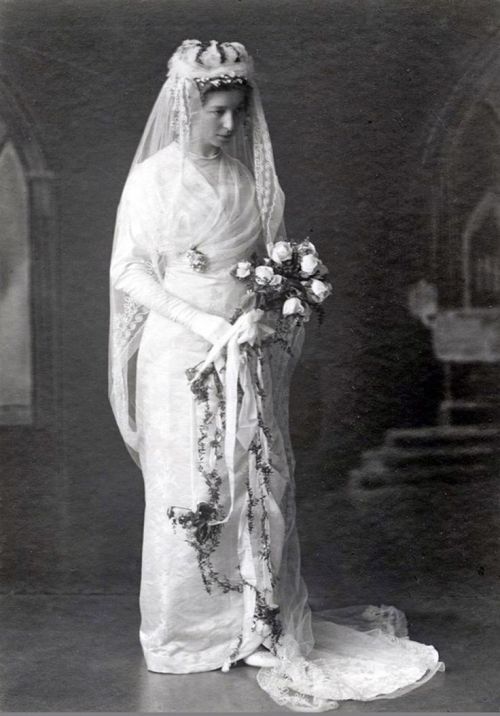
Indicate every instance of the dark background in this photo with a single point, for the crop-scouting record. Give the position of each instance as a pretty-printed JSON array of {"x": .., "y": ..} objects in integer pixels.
[{"x": 352, "y": 90}]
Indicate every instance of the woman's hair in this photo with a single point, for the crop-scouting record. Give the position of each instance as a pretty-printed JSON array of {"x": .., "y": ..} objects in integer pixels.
[{"x": 207, "y": 88}]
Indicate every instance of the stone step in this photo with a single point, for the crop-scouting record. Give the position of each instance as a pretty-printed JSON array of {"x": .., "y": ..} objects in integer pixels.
[
  {"x": 432, "y": 455},
  {"x": 366, "y": 479},
  {"x": 440, "y": 435},
  {"x": 461, "y": 412}
]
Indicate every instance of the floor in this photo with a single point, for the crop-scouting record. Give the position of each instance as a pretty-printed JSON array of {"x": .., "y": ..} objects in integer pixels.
[{"x": 80, "y": 652}]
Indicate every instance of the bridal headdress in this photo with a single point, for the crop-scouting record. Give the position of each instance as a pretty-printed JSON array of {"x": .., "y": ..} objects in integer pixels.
[{"x": 210, "y": 61}]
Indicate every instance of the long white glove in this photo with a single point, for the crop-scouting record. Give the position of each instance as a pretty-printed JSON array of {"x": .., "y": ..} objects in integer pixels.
[{"x": 135, "y": 278}]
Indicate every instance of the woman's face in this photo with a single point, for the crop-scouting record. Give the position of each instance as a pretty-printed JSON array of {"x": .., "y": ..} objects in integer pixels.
[{"x": 219, "y": 117}]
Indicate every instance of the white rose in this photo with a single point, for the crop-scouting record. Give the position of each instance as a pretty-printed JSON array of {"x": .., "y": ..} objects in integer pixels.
[
  {"x": 276, "y": 280},
  {"x": 293, "y": 306},
  {"x": 320, "y": 289},
  {"x": 308, "y": 264},
  {"x": 307, "y": 247},
  {"x": 281, "y": 251},
  {"x": 264, "y": 274},
  {"x": 243, "y": 269}
]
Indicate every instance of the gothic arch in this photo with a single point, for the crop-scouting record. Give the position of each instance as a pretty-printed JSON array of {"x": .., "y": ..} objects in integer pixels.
[
  {"x": 463, "y": 165},
  {"x": 29, "y": 206}
]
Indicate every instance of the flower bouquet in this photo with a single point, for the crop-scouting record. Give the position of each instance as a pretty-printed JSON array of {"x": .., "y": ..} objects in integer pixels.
[{"x": 292, "y": 282}]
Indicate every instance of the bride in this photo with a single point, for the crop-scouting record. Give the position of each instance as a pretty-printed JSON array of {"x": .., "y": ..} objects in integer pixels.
[{"x": 199, "y": 390}]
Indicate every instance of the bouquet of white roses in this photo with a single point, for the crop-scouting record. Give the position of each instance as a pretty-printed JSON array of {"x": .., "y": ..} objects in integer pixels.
[{"x": 292, "y": 281}]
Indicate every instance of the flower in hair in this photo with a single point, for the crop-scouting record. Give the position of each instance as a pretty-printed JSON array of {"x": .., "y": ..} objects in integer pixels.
[
  {"x": 227, "y": 80},
  {"x": 211, "y": 57}
]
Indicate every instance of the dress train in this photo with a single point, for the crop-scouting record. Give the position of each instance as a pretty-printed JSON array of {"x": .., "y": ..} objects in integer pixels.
[{"x": 374, "y": 660}]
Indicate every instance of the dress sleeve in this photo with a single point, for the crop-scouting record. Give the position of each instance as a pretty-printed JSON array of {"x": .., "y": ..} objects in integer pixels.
[
  {"x": 134, "y": 261},
  {"x": 133, "y": 257}
]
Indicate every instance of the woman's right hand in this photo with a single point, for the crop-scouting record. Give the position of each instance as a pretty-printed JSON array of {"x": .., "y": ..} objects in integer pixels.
[{"x": 212, "y": 328}]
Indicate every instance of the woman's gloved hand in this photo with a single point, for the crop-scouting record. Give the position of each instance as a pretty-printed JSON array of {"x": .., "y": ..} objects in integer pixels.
[
  {"x": 249, "y": 326},
  {"x": 133, "y": 278},
  {"x": 210, "y": 327}
]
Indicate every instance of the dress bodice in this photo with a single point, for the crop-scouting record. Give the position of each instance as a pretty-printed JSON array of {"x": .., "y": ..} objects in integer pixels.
[
  {"x": 173, "y": 206},
  {"x": 186, "y": 207}
]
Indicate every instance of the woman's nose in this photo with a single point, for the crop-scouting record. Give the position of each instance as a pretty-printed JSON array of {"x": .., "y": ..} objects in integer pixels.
[{"x": 228, "y": 121}]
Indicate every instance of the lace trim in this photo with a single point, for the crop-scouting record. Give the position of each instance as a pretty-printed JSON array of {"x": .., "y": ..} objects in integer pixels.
[
  {"x": 384, "y": 666},
  {"x": 128, "y": 321}
]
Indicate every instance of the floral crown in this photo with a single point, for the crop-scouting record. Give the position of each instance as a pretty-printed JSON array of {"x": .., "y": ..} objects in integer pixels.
[
  {"x": 229, "y": 80},
  {"x": 218, "y": 64}
]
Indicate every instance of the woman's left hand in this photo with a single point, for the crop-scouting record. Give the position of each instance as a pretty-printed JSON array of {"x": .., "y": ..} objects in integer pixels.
[{"x": 251, "y": 328}]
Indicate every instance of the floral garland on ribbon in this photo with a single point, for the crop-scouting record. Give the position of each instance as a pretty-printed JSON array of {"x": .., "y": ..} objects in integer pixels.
[
  {"x": 203, "y": 531},
  {"x": 293, "y": 283},
  {"x": 202, "y": 534}
]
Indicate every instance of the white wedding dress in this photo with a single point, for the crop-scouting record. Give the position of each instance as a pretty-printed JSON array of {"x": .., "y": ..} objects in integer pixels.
[{"x": 214, "y": 589}]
